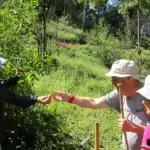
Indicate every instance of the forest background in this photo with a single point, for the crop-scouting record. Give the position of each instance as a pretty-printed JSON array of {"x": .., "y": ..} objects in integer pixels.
[{"x": 68, "y": 45}]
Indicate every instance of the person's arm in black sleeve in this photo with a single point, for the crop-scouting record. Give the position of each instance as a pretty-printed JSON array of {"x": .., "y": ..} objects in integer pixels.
[
  {"x": 10, "y": 97},
  {"x": 20, "y": 100},
  {"x": 10, "y": 81},
  {"x": 23, "y": 101},
  {"x": 27, "y": 101}
]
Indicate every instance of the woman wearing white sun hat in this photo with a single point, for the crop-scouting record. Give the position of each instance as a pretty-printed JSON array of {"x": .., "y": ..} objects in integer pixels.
[
  {"x": 145, "y": 92},
  {"x": 145, "y": 130}
]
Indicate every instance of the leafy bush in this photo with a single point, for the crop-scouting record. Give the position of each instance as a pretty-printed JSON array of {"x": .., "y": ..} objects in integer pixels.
[
  {"x": 34, "y": 128},
  {"x": 30, "y": 128},
  {"x": 106, "y": 54},
  {"x": 145, "y": 42}
]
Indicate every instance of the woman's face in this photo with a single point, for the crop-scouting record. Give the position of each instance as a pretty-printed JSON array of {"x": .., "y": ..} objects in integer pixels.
[{"x": 146, "y": 106}]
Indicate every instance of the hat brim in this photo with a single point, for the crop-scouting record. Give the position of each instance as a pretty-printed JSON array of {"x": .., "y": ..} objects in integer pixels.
[
  {"x": 145, "y": 92},
  {"x": 110, "y": 74}
]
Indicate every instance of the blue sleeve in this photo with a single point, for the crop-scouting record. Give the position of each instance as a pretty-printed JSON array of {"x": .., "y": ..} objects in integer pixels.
[{"x": 112, "y": 100}]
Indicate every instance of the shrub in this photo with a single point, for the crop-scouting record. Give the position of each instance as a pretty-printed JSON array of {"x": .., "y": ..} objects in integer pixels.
[{"x": 145, "y": 42}]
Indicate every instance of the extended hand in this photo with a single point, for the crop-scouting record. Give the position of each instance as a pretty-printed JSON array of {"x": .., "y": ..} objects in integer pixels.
[
  {"x": 60, "y": 96},
  {"x": 44, "y": 99}
]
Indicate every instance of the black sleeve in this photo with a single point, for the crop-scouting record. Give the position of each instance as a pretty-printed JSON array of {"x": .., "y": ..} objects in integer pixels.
[
  {"x": 10, "y": 97},
  {"x": 10, "y": 81}
]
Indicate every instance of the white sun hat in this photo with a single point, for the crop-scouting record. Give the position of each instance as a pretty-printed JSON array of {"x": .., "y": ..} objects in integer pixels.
[
  {"x": 124, "y": 68},
  {"x": 145, "y": 90}
]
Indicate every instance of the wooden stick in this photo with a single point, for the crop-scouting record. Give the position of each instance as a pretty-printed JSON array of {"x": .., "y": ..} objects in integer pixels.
[
  {"x": 97, "y": 143},
  {"x": 122, "y": 115}
]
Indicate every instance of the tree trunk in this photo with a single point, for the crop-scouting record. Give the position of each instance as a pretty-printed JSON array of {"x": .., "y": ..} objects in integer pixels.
[
  {"x": 44, "y": 31},
  {"x": 138, "y": 30},
  {"x": 84, "y": 14},
  {"x": 42, "y": 38}
]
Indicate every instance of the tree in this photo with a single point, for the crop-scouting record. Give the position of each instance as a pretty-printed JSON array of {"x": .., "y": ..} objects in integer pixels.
[
  {"x": 127, "y": 5},
  {"x": 133, "y": 7}
]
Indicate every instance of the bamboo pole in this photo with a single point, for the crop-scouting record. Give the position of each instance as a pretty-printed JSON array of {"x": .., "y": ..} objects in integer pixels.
[
  {"x": 122, "y": 114},
  {"x": 97, "y": 142}
]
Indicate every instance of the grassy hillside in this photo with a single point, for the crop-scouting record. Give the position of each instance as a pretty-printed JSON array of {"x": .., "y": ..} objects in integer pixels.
[
  {"x": 82, "y": 74},
  {"x": 81, "y": 71}
]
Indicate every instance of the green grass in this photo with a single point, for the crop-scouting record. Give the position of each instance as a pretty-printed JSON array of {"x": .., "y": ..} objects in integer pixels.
[
  {"x": 63, "y": 31},
  {"x": 81, "y": 74}
]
